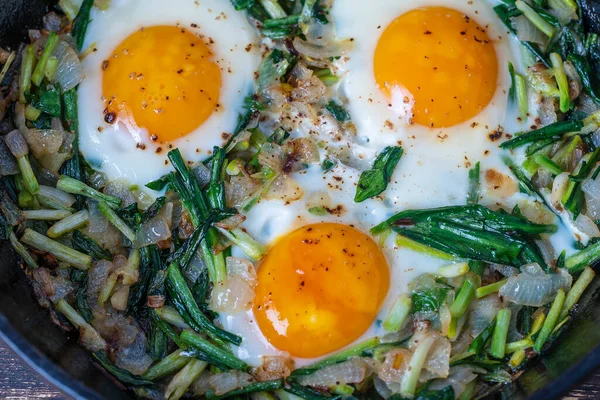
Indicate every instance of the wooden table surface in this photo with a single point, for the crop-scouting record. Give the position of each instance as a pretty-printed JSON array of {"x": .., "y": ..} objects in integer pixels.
[{"x": 19, "y": 381}]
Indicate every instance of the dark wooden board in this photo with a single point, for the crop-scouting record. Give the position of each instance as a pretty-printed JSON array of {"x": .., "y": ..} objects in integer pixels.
[{"x": 19, "y": 381}]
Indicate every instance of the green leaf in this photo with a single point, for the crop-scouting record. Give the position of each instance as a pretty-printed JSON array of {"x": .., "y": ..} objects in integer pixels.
[
  {"x": 47, "y": 99},
  {"x": 374, "y": 181},
  {"x": 242, "y": 4},
  {"x": 87, "y": 245},
  {"x": 430, "y": 299},
  {"x": 81, "y": 23},
  {"x": 154, "y": 209},
  {"x": 337, "y": 111}
]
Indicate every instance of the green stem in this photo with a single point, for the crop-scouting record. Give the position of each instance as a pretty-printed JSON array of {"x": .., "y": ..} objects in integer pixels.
[
  {"x": 550, "y": 321},
  {"x": 170, "y": 315},
  {"x": 247, "y": 243},
  {"x": 546, "y": 162},
  {"x": 38, "y": 73},
  {"x": 26, "y": 71},
  {"x": 273, "y": 8},
  {"x": 578, "y": 261},
  {"x": 69, "y": 224},
  {"x": 536, "y": 19},
  {"x": 181, "y": 289},
  {"x": 398, "y": 313},
  {"x": 463, "y": 299},
  {"x": 500, "y": 333},
  {"x": 184, "y": 378},
  {"x": 29, "y": 179},
  {"x": 21, "y": 250},
  {"x": 114, "y": 219},
  {"x": 46, "y": 215},
  {"x": 255, "y": 387},
  {"x": 74, "y": 186},
  {"x": 353, "y": 351},
  {"x": 518, "y": 345},
  {"x": 168, "y": 365},
  {"x": 58, "y": 250},
  {"x": 573, "y": 296},
  {"x": 562, "y": 81},
  {"x": 210, "y": 350},
  {"x": 411, "y": 376},
  {"x": 489, "y": 289}
]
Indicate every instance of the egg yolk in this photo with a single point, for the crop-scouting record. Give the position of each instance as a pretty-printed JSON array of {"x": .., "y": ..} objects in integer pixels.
[
  {"x": 163, "y": 79},
  {"x": 442, "y": 62},
  {"x": 319, "y": 289}
]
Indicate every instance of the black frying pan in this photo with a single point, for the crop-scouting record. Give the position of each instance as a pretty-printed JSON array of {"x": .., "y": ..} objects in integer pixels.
[{"x": 28, "y": 329}]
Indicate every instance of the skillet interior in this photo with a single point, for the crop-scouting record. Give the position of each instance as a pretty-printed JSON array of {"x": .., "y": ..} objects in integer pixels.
[{"x": 27, "y": 328}]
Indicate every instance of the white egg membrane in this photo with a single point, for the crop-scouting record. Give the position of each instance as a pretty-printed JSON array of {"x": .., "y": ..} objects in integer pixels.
[
  {"x": 433, "y": 171},
  {"x": 113, "y": 149}
]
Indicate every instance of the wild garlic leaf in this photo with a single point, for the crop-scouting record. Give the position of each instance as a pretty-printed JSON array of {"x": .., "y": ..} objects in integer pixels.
[{"x": 374, "y": 181}]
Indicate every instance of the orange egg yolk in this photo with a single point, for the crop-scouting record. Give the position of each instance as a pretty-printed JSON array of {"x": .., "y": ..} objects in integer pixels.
[
  {"x": 443, "y": 63},
  {"x": 163, "y": 79},
  {"x": 319, "y": 289}
]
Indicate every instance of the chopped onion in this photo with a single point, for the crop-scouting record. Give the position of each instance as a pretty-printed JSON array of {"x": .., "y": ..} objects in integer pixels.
[
  {"x": 228, "y": 381},
  {"x": 202, "y": 174},
  {"x": 43, "y": 141},
  {"x": 353, "y": 370},
  {"x": 133, "y": 357},
  {"x": 559, "y": 187},
  {"x": 385, "y": 389},
  {"x": 460, "y": 376},
  {"x": 239, "y": 189},
  {"x": 119, "y": 297},
  {"x": 437, "y": 363},
  {"x": 302, "y": 153},
  {"x": 547, "y": 111},
  {"x": 97, "y": 277},
  {"x": 233, "y": 296},
  {"x": 505, "y": 270},
  {"x": 395, "y": 365},
  {"x": 54, "y": 287},
  {"x": 585, "y": 226},
  {"x": 242, "y": 268},
  {"x": 52, "y": 22},
  {"x": 285, "y": 189},
  {"x": 334, "y": 49},
  {"x": 272, "y": 156},
  {"x": 69, "y": 72},
  {"x": 563, "y": 12},
  {"x": 156, "y": 229},
  {"x": 274, "y": 367},
  {"x": 299, "y": 73},
  {"x": 202, "y": 384},
  {"x": 237, "y": 293},
  {"x": 16, "y": 144},
  {"x": 534, "y": 287},
  {"x": 482, "y": 313},
  {"x": 232, "y": 222},
  {"x": 591, "y": 190},
  {"x": 527, "y": 31},
  {"x": 122, "y": 190},
  {"x": 310, "y": 91}
]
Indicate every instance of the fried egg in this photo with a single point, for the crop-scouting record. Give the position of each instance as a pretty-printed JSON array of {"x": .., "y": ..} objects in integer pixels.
[
  {"x": 162, "y": 75},
  {"x": 430, "y": 76}
]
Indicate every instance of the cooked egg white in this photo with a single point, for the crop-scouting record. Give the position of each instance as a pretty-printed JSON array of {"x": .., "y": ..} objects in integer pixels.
[
  {"x": 440, "y": 144},
  {"x": 162, "y": 75}
]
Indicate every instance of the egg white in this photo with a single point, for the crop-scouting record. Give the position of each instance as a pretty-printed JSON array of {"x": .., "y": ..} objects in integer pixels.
[
  {"x": 113, "y": 149},
  {"x": 433, "y": 171}
]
